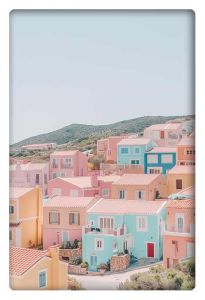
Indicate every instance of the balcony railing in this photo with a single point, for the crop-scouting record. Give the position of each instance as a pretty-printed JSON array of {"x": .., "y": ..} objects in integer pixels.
[
  {"x": 117, "y": 232},
  {"x": 54, "y": 166},
  {"x": 180, "y": 230},
  {"x": 66, "y": 166}
]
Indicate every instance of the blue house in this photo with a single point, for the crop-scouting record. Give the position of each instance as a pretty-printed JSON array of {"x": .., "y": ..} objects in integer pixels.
[
  {"x": 131, "y": 151},
  {"x": 159, "y": 160},
  {"x": 116, "y": 225}
]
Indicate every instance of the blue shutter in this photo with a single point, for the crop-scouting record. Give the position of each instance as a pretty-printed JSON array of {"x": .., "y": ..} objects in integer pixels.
[{"x": 42, "y": 279}]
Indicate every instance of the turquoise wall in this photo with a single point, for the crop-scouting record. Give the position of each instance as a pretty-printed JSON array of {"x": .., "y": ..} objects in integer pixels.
[
  {"x": 165, "y": 166},
  {"x": 125, "y": 159}
]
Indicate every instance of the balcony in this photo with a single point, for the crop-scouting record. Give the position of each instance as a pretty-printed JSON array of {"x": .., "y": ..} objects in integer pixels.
[
  {"x": 188, "y": 231},
  {"x": 66, "y": 166},
  {"x": 120, "y": 231},
  {"x": 54, "y": 165}
]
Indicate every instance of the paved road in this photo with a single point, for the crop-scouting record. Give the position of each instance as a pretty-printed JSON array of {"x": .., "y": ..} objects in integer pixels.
[{"x": 105, "y": 282}]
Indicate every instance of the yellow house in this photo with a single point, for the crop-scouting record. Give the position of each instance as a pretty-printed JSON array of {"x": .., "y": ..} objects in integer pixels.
[
  {"x": 25, "y": 217},
  {"x": 32, "y": 269},
  {"x": 180, "y": 178}
]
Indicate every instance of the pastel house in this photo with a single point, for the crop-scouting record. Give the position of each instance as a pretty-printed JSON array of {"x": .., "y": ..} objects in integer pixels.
[
  {"x": 139, "y": 187},
  {"x": 25, "y": 217},
  {"x": 68, "y": 164},
  {"x": 123, "y": 225},
  {"x": 32, "y": 269},
  {"x": 108, "y": 147},
  {"x": 131, "y": 151},
  {"x": 179, "y": 240},
  {"x": 105, "y": 184},
  {"x": 79, "y": 186},
  {"x": 160, "y": 160},
  {"x": 186, "y": 151},
  {"x": 165, "y": 135},
  {"x": 63, "y": 218},
  {"x": 179, "y": 178},
  {"x": 29, "y": 175}
]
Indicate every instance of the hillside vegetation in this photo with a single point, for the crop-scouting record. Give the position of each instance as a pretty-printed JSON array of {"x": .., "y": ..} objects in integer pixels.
[{"x": 88, "y": 134}]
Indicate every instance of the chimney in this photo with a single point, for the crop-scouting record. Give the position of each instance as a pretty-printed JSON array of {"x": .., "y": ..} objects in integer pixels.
[{"x": 94, "y": 179}]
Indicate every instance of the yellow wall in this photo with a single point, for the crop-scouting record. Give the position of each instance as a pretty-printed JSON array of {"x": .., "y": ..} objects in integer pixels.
[
  {"x": 56, "y": 276},
  {"x": 187, "y": 181}
]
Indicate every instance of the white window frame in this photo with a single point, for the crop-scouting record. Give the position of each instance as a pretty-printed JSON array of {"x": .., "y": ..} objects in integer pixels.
[
  {"x": 102, "y": 244},
  {"x": 154, "y": 157},
  {"x": 137, "y": 194},
  {"x": 139, "y": 162},
  {"x": 46, "y": 272},
  {"x": 138, "y": 149},
  {"x": 153, "y": 169},
  {"x": 121, "y": 147},
  {"x": 106, "y": 217},
  {"x": 53, "y": 212},
  {"x": 107, "y": 194},
  {"x": 177, "y": 216},
  {"x": 139, "y": 228},
  {"x": 167, "y": 155}
]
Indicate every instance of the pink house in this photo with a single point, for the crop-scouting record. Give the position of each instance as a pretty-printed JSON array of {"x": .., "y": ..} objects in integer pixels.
[
  {"x": 186, "y": 151},
  {"x": 108, "y": 147},
  {"x": 63, "y": 218},
  {"x": 29, "y": 175},
  {"x": 179, "y": 237},
  {"x": 68, "y": 164},
  {"x": 80, "y": 186},
  {"x": 105, "y": 184},
  {"x": 165, "y": 135}
]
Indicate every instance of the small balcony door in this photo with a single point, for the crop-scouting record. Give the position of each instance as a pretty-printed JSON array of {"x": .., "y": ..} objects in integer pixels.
[
  {"x": 150, "y": 249},
  {"x": 65, "y": 237},
  {"x": 180, "y": 222},
  {"x": 93, "y": 262}
]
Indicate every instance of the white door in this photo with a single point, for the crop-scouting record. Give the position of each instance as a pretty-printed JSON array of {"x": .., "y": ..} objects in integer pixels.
[
  {"x": 190, "y": 249},
  {"x": 65, "y": 237}
]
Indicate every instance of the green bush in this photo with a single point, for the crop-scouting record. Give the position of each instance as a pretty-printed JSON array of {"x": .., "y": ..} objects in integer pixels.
[{"x": 75, "y": 261}]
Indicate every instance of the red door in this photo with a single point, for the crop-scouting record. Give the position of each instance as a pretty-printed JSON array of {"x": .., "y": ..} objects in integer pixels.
[{"x": 150, "y": 249}]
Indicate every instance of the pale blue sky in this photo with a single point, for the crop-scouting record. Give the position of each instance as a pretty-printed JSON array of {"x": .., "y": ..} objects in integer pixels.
[{"x": 98, "y": 67}]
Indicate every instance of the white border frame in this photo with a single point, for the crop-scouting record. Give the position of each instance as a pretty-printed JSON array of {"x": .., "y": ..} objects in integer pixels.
[{"x": 198, "y": 7}]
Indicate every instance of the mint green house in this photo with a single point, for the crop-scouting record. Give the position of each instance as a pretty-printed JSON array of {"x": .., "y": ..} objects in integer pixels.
[
  {"x": 131, "y": 151},
  {"x": 115, "y": 225}
]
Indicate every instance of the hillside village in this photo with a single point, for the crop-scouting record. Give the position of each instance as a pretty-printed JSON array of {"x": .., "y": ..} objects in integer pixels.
[{"x": 129, "y": 203}]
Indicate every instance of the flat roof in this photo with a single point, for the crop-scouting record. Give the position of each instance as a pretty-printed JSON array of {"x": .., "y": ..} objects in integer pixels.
[
  {"x": 65, "y": 201},
  {"x": 136, "y": 141},
  {"x": 182, "y": 170},
  {"x": 163, "y": 150}
]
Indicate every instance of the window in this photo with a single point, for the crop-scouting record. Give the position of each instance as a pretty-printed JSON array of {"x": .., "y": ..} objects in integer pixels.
[
  {"x": 45, "y": 179},
  {"x": 142, "y": 223},
  {"x": 124, "y": 150},
  {"x": 54, "y": 175},
  {"x": 74, "y": 218},
  {"x": 37, "y": 178},
  {"x": 73, "y": 193},
  {"x": 179, "y": 222},
  {"x": 135, "y": 162},
  {"x": 54, "y": 217},
  {"x": 107, "y": 223},
  {"x": 62, "y": 174},
  {"x": 99, "y": 244},
  {"x": 105, "y": 192},
  {"x": 56, "y": 191},
  {"x": 28, "y": 177},
  {"x": 11, "y": 209},
  {"x": 154, "y": 170},
  {"x": 140, "y": 195},
  {"x": 152, "y": 158},
  {"x": 178, "y": 184},
  {"x": 137, "y": 150},
  {"x": 122, "y": 194},
  {"x": 167, "y": 158},
  {"x": 54, "y": 163},
  {"x": 10, "y": 235},
  {"x": 42, "y": 277}
]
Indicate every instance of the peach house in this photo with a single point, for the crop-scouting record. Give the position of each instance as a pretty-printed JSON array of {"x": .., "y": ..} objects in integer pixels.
[
  {"x": 105, "y": 184},
  {"x": 139, "y": 186},
  {"x": 179, "y": 178},
  {"x": 85, "y": 186},
  {"x": 25, "y": 217},
  {"x": 29, "y": 175},
  {"x": 164, "y": 135},
  {"x": 108, "y": 147},
  {"x": 31, "y": 269},
  {"x": 186, "y": 151},
  {"x": 179, "y": 240},
  {"x": 68, "y": 164},
  {"x": 63, "y": 218}
]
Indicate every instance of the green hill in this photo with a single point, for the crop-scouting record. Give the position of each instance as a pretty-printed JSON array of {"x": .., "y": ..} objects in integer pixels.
[{"x": 80, "y": 132}]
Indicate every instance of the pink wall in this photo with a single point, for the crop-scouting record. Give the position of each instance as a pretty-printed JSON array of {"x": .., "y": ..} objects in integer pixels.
[
  {"x": 188, "y": 214},
  {"x": 183, "y": 157},
  {"x": 108, "y": 147}
]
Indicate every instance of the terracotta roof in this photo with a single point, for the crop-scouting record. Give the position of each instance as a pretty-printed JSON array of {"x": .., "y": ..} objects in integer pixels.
[
  {"x": 64, "y": 201},
  {"x": 82, "y": 182},
  {"x": 16, "y": 192},
  {"x": 164, "y": 126},
  {"x": 163, "y": 150},
  {"x": 137, "y": 141},
  {"x": 22, "y": 259},
  {"x": 182, "y": 170},
  {"x": 136, "y": 179},
  {"x": 69, "y": 152},
  {"x": 119, "y": 206},
  {"x": 187, "y": 141},
  {"x": 188, "y": 203},
  {"x": 109, "y": 178}
]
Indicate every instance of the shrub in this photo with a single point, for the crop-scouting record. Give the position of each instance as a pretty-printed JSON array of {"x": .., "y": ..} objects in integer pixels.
[
  {"x": 103, "y": 266},
  {"x": 171, "y": 273},
  {"x": 74, "y": 284},
  {"x": 75, "y": 261},
  {"x": 84, "y": 264},
  {"x": 157, "y": 269}
]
